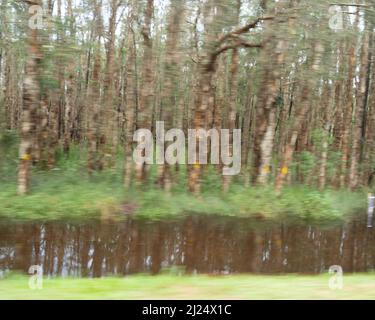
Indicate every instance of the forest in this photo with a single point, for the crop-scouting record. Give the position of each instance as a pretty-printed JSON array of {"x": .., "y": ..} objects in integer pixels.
[
  {"x": 287, "y": 89},
  {"x": 78, "y": 78}
]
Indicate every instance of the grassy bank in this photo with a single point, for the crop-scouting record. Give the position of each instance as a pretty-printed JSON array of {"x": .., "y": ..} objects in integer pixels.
[
  {"x": 360, "y": 286},
  {"x": 66, "y": 192},
  {"x": 70, "y": 194}
]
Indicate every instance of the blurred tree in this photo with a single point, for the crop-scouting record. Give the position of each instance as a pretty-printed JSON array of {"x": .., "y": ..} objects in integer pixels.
[{"x": 300, "y": 86}]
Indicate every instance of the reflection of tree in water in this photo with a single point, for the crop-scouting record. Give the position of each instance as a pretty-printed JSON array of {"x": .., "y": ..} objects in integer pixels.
[{"x": 198, "y": 244}]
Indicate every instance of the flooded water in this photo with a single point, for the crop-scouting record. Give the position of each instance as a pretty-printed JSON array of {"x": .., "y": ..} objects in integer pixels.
[{"x": 209, "y": 245}]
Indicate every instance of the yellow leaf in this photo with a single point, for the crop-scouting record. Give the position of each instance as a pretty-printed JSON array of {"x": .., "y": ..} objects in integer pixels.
[
  {"x": 266, "y": 169},
  {"x": 284, "y": 171},
  {"x": 26, "y": 157}
]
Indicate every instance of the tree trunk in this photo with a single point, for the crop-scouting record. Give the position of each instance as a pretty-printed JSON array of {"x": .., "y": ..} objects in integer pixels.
[
  {"x": 357, "y": 145},
  {"x": 95, "y": 138},
  {"x": 147, "y": 89},
  {"x": 347, "y": 117},
  {"x": 109, "y": 101},
  {"x": 265, "y": 109},
  {"x": 318, "y": 51},
  {"x": 131, "y": 93},
  {"x": 31, "y": 104},
  {"x": 170, "y": 96}
]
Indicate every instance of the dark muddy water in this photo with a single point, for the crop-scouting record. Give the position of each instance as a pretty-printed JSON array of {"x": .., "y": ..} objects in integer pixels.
[{"x": 208, "y": 245}]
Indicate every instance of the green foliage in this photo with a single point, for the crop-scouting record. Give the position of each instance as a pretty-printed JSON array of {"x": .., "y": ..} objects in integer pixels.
[
  {"x": 71, "y": 195},
  {"x": 333, "y": 163},
  {"x": 307, "y": 162},
  {"x": 8, "y": 154},
  {"x": 8, "y": 140},
  {"x": 317, "y": 136},
  {"x": 67, "y": 192},
  {"x": 298, "y": 203}
]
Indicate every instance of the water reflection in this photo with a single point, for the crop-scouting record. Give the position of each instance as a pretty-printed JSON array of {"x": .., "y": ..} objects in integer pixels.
[{"x": 196, "y": 244}]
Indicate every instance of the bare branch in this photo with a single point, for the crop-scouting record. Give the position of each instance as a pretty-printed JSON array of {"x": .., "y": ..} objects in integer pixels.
[
  {"x": 238, "y": 44},
  {"x": 244, "y": 29}
]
